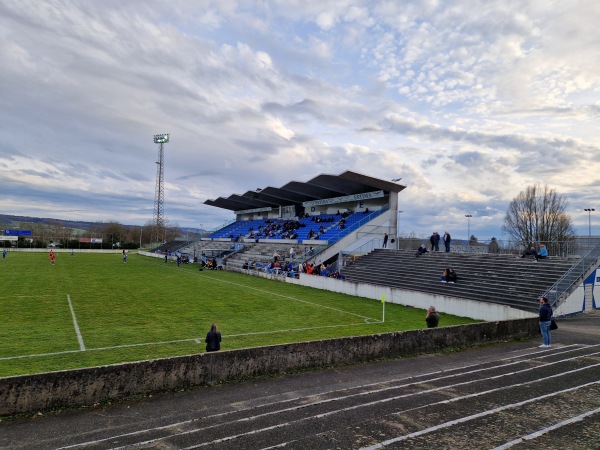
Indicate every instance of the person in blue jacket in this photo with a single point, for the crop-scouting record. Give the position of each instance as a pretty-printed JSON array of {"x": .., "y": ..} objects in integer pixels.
[
  {"x": 542, "y": 254},
  {"x": 545, "y": 320}
]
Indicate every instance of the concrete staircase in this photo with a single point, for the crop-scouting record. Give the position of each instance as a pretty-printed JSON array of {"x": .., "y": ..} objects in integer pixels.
[{"x": 502, "y": 279}]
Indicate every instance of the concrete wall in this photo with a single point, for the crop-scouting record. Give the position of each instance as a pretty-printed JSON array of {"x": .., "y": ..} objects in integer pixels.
[
  {"x": 450, "y": 305},
  {"x": 31, "y": 393}
]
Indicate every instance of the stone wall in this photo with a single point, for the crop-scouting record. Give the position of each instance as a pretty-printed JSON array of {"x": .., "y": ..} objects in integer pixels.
[{"x": 84, "y": 387}]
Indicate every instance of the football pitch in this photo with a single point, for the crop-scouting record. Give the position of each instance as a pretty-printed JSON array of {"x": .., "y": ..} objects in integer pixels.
[{"x": 94, "y": 309}]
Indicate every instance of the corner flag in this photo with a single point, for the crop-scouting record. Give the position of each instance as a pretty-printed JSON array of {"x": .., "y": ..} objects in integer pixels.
[{"x": 383, "y": 298}]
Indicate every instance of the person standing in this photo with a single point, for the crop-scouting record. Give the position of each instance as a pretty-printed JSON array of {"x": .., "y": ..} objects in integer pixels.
[
  {"x": 292, "y": 253},
  {"x": 545, "y": 321},
  {"x": 436, "y": 241},
  {"x": 213, "y": 339},
  {"x": 4, "y": 254},
  {"x": 432, "y": 319},
  {"x": 385, "y": 240},
  {"x": 124, "y": 256},
  {"x": 447, "y": 240},
  {"x": 52, "y": 257},
  {"x": 432, "y": 241}
]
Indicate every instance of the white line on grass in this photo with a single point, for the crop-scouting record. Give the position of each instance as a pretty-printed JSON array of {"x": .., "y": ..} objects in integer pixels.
[
  {"x": 367, "y": 320},
  {"x": 296, "y": 329},
  {"x": 285, "y": 296},
  {"x": 175, "y": 341},
  {"x": 79, "y": 338}
]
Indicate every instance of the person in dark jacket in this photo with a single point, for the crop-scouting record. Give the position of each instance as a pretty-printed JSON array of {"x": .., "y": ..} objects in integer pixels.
[
  {"x": 432, "y": 318},
  {"x": 421, "y": 250},
  {"x": 545, "y": 320},
  {"x": 213, "y": 339},
  {"x": 447, "y": 240}
]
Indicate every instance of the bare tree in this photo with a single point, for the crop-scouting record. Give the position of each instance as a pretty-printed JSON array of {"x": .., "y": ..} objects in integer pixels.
[{"x": 538, "y": 214}]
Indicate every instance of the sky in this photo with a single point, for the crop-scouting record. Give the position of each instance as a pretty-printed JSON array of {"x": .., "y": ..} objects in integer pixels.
[{"x": 469, "y": 102}]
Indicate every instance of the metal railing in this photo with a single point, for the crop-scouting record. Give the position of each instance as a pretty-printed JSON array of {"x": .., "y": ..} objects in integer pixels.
[
  {"x": 571, "y": 279},
  {"x": 356, "y": 225},
  {"x": 576, "y": 247}
]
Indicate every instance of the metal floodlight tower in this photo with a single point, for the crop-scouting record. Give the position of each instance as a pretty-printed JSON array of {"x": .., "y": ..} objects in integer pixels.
[{"x": 159, "y": 198}]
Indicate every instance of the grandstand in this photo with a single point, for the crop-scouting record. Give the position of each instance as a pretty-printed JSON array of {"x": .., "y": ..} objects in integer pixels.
[{"x": 340, "y": 220}]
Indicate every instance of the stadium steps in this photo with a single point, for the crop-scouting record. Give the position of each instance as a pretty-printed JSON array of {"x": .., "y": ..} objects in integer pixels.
[{"x": 502, "y": 279}]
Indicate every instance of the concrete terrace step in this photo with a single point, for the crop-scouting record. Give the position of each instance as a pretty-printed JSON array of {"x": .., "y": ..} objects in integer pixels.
[{"x": 502, "y": 279}]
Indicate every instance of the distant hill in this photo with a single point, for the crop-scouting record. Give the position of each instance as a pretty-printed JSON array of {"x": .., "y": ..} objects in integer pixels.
[{"x": 7, "y": 221}]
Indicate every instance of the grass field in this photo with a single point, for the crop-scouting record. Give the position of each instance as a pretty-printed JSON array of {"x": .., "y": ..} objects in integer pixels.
[{"x": 90, "y": 309}]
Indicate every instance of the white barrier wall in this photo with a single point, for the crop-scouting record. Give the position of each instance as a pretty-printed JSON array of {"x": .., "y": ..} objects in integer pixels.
[{"x": 450, "y": 305}]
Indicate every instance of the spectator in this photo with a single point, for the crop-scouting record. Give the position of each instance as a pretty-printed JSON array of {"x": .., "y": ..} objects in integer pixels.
[
  {"x": 545, "y": 320},
  {"x": 292, "y": 253},
  {"x": 213, "y": 339},
  {"x": 531, "y": 252},
  {"x": 542, "y": 254},
  {"x": 444, "y": 277},
  {"x": 421, "y": 251},
  {"x": 432, "y": 319},
  {"x": 447, "y": 240},
  {"x": 436, "y": 241},
  {"x": 432, "y": 241},
  {"x": 385, "y": 240},
  {"x": 451, "y": 276}
]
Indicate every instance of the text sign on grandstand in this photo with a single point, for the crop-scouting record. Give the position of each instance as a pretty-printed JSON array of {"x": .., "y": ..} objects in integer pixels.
[
  {"x": 347, "y": 198},
  {"x": 9, "y": 238},
  {"x": 17, "y": 232},
  {"x": 255, "y": 210}
]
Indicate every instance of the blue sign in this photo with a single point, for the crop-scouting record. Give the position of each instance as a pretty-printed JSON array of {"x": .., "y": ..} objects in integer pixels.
[{"x": 17, "y": 232}]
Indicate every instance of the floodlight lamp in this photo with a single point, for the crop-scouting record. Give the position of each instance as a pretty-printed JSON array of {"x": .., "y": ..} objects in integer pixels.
[{"x": 161, "y": 138}]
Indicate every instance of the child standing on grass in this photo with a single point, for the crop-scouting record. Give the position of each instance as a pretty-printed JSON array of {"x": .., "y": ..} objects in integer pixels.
[{"x": 52, "y": 257}]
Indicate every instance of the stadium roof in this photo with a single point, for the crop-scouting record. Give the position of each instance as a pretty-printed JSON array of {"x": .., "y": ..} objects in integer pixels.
[{"x": 320, "y": 187}]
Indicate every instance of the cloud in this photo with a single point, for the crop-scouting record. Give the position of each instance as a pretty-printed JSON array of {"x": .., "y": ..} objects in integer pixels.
[{"x": 468, "y": 103}]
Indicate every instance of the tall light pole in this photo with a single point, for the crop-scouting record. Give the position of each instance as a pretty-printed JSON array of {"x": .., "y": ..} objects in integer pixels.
[
  {"x": 589, "y": 211},
  {"x": 159, "y": 199},
  {"x": 468, "y": 216}
]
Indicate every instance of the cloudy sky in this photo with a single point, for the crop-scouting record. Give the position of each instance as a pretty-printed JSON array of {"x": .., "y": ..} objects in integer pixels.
[{"x": 468, "y": 101}]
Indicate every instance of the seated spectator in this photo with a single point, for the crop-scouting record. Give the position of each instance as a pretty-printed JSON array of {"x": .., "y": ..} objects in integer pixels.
[
  {"x": 451, "y": 276},
  {"x": 444, "y": 277},
  {"x": 245, "y": 266},
  {"x": 531, "y": 253},
  {"x": 432, "y": 319},
  {"x": 421, "y": 251},
  {"x": 542, "y": 254}
]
